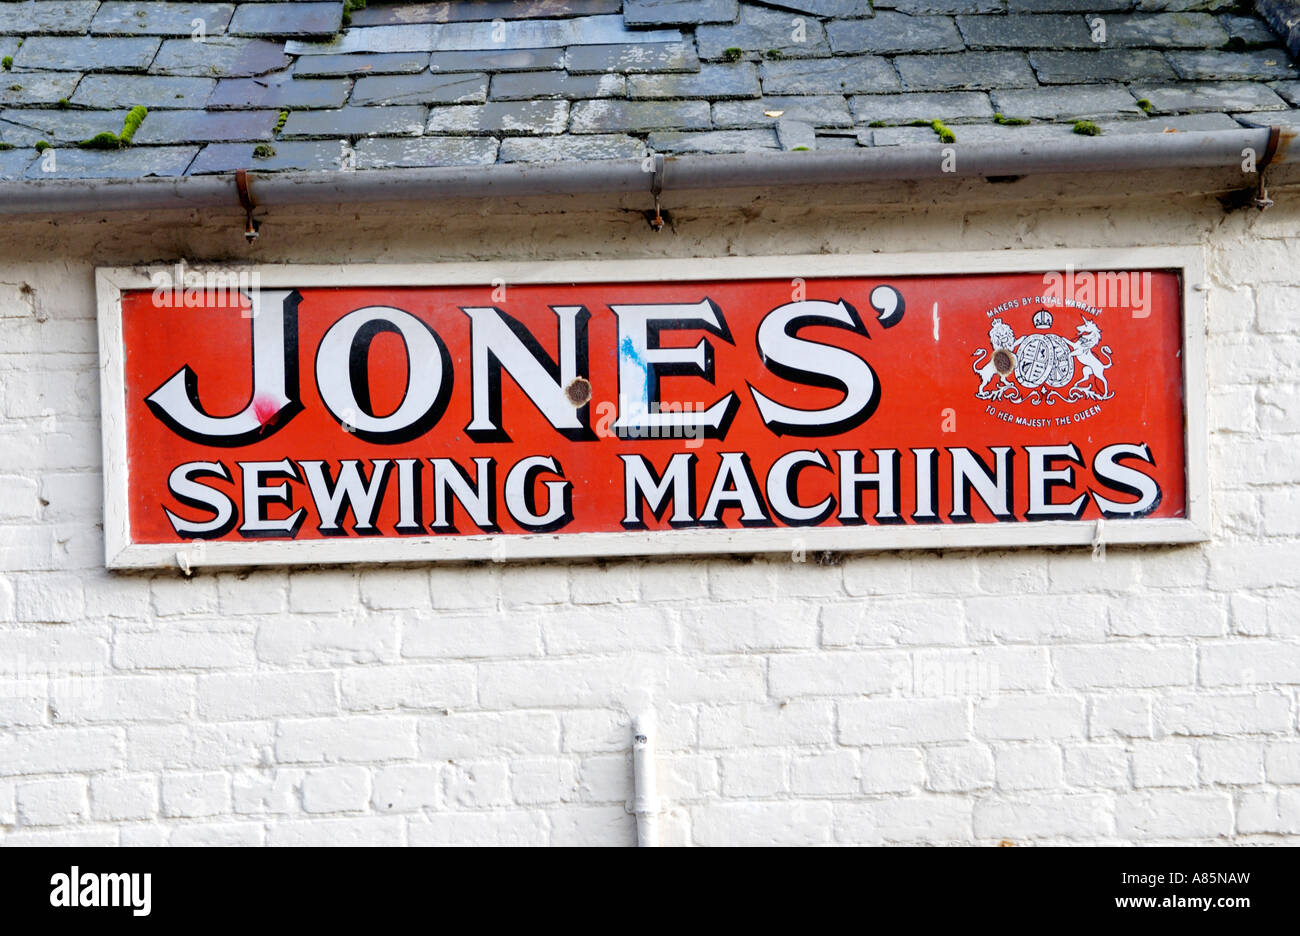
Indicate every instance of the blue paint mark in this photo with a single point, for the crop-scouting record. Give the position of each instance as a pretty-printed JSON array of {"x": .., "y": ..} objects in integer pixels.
[{"x": 628, "y": 350}]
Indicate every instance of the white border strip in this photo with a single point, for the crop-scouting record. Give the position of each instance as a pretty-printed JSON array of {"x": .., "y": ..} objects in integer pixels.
[{"x": 121, "y": 553}]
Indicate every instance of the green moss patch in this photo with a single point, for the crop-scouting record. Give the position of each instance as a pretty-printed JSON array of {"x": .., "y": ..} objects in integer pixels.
[
  {"x": 1086, "y": 128},
  {"x": 1009, "y": 121},
  {"x": 108, "y": 141}
]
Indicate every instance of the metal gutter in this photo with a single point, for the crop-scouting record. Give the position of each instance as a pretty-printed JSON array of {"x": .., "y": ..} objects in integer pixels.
[{"x": 1120, "y": 153}]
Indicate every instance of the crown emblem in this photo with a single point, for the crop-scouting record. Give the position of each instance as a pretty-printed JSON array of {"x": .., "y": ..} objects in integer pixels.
[{"x": 1042, "y": 319}]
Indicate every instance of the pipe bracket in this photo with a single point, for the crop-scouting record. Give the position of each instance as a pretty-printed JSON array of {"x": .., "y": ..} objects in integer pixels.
[{"x": 246, "y": 202}]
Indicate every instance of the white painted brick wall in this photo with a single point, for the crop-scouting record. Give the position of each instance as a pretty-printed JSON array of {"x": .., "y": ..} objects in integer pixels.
[{"x": 1031, "y": 695}]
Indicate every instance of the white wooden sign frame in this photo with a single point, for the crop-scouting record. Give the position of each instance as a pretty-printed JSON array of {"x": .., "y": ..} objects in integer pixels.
[{"x": 122, "y": 553}]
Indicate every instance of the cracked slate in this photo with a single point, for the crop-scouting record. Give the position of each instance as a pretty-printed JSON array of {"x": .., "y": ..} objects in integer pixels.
[
  {"x": 1265, "y": 65},
  {"x": 387, "y": 153},
  {"x": 795, "y": 135},
  {"x": 1099, "y": 67},
  {"x": 824, "y": 110},
  {"x": 965, "y": 71},
  {"x": 153, "y": 91},
  {"x": 355, "y": 122},
  {"x": 760, "y": 30},
  {"x": 632, "y": 59},
  {"x": 711, "y": 82},
  {"x": 282, "y": 92},
  {"x": 299, "y": 19},
  {"x": 160, "y": 19},
  {"x": 58, "y": 126},
  {"x": 133, "y": 163},
  {"x": 500, "y": 117},
  {"x": 86, "y": 53},
  {"x": 901, "y": 108},
  {"x": 1249, "y": 30},
  {"x": 424, "y": 88},
  {"x": 1221, "y": 96},
  {"x": 888, "y": 32},
  {"x": 850, "y": 74},
  {"x": 470, "y": 37},
  {"x": 206, "y": 126},
  {"x": 219, "y": 57},
  {"x": 524, "y": 86},
  {"x": 565, "y": 148},
  {"x": 227, "y": 157},
  {"x": 383, "y": 63},
  {"x": 1066, "y": 102},
  {"x": 613, "y": 116},
  {"x": 13, "y": 163},
  {"x": 715, "y": 141},
  {"x": 679, "y": 12}
]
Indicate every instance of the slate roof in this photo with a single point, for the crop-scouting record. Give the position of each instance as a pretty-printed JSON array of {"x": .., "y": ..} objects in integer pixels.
[{"x": 273, "y": 86}]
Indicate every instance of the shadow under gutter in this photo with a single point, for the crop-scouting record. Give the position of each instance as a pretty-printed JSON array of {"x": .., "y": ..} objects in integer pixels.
[{"x": 1121, "y": 153}]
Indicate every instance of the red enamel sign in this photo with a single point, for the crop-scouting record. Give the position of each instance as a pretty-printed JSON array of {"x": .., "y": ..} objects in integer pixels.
[{"x": 412, "y": 414}]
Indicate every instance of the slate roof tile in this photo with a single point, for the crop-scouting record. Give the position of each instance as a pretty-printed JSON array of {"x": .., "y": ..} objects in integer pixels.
[
  {"x": 566, "y": 148},
  {"x": 137, "y": 162},
  {"x": 424, "y": 88},
  {"x": 388, "y": 152},
  {"x": 606, "y": 116},
  {"x": 469, "y": 82},
  {"x": 14, "y": 163},
  {"x": 965, "y": 71},
  {"x": 1066, "y": 103},
  {"x": 760, "y": 30},
  {"x": 305, "y": 155},
  {"x": 715, "y": 141},
  {"x": 679, "y": 12},
  {"x": 86, "y": 53},
  {"x": 849, "y": 74},
  {"x": 390, "y": 14},
  {"x": 822, "y": 110},
  {"x": 1105, "y": 65},
  {"x": 156, "y": 92},
  {"x": 921, "y": 105},
  {"x": 1197, "y": 97},
  {"x": 206, "y": 126},
  {"x": 303, "y": 19},
  {"x": 631, "y": 59},
  {"x": 558, "y": 85},
  {"x": 889, "y": 32},
  {"x": 392, "y": 120},
  {"x": 711, "y": 82},
  {"x": 219, "y": 57},
  {"x": 37, "y": 87},
  {"x": 47, "y": 17},
  {"x": 362, "y": 63},
  {"x": 26, "y": 126},
  {"x": 508, "y": 118},
  {"x": 280, "y": 91},
  {"x": 156, "y": 18},
  {"x": 1260, "y": 65}
]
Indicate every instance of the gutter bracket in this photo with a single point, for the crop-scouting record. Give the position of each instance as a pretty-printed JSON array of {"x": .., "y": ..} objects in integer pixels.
[
  {"x": 246, "y": 202},
  {"x": 1262, "y": 200},
  {"x": 656, "y": 189}
]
